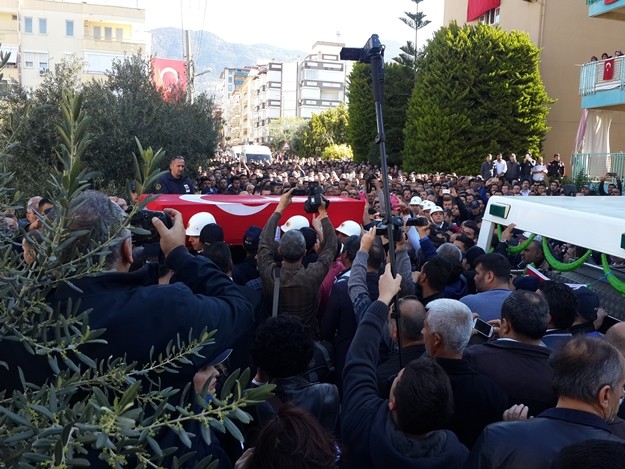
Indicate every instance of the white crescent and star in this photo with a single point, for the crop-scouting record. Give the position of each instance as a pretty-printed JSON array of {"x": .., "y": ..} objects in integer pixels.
[{"x": 231, "y": 208}]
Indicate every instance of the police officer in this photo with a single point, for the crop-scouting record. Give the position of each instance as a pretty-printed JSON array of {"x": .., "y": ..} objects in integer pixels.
[{"x": 175, "y": 182}]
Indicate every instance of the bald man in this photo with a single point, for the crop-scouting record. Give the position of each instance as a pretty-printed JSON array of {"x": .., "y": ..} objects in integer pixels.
[{"x": 411, "y": 318}]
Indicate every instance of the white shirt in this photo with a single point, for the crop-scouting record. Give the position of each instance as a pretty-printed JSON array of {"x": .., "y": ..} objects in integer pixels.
[{"x": 538, "y": 172}]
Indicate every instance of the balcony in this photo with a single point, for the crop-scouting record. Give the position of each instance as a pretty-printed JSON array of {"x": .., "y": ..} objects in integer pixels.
[
  {"x": 604, "y": 9},
  {"x": 602, "y": 84},
  {"x": 596, "y": 165}
]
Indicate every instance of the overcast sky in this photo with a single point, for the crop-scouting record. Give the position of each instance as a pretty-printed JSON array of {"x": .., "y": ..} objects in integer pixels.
[{"x": 295, "y": 24}]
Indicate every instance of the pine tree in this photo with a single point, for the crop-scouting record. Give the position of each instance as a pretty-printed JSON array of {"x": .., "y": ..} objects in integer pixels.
[
  {"x": 410, "y": 52},
  {"x": 478, "y": 90}
]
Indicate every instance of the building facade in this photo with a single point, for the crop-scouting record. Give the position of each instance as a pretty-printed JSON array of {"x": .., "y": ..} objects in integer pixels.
[
  {"x": 273, "y": 90},
  {"x": 567, "y": 37},
  {"x": 40, "y": 33}
]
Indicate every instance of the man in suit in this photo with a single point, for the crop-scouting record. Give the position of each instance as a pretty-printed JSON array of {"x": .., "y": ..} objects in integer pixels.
[
  {"x": 518, "y": 361},
  {"x": 588, "y": 376},
  {"x": 478, "y": 399}
]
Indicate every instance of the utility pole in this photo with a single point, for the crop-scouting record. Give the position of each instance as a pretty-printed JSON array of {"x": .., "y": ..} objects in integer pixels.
[
  {"x": 18, "y": 59},
  {"x": 190, "y": 66}
]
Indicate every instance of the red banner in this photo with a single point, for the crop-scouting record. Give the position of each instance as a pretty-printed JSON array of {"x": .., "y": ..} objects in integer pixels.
[
  {"x": 235, "y": 213},
  {"x": 608, "y": 69},
  {"x": 477, "y": 8},
  {"x": 607, "y": 2},
  {"x": 169, "y": 75}
]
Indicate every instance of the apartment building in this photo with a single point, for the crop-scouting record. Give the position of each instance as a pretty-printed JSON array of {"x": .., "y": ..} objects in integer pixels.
[
  {"x": 40, "y": 33},
  {"x": 290, "y": 89},
  {"x": 567, "y": 37}
]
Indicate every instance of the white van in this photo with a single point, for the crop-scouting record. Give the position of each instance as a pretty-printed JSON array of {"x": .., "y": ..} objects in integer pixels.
[{"x": 247, "y": 153}]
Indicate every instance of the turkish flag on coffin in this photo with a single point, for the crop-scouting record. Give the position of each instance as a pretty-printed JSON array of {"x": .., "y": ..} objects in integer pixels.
[{"x": 608, "y": 69}]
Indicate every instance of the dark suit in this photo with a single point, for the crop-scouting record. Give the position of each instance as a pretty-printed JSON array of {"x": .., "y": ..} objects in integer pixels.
[
  {"x": 535, "y": 443},
  {"x": 478, "y": 400},
  {"x": 387, "y": 371},
  {"x": 522, "y": 370},
  {"x": 338, "y": 323}
]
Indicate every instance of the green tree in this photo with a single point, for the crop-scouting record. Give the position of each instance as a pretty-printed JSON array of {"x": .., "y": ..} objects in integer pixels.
[
  {"x": 362, "y": 129},
  {"x": 362, "y": 120},
  {"x": 123, "y": 106},
  {"x": 478, "y": 90},
  {"x": 29, "y": 125},
  {"x": 415, "y": 21},
  {"x": 286, "y": 130},
  {"x": 325, "y": 129},
  {"x": 126, "y": 105},
  {"x": 337, "y": 152},
  {"x": 106, "y": 408}
]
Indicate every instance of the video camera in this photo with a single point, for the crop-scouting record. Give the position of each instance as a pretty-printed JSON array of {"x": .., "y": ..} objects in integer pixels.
[
  {"x": 143, "y": 219},
  {"x": 314, "y": 197},
  {"x": 381, "y": 228},
  {"x": 417, "y": 221}
]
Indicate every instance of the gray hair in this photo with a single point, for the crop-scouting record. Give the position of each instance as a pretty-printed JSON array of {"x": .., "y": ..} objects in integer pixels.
[
  {"x": 452, "y": 320},
  {"x": 583, "y": 365},
  {"x": 101, "y": 219},
  {"x": 33, "y": 203},
  {"x": 450, "y": 251},
  {"x": 292, "y": 245}
]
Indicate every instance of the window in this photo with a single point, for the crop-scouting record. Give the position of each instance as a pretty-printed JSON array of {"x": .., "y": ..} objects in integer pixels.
[
  {"x": 108, "y": 34},
  {"x": 119, "y": 34},
  {"x": 97, "y": 32},
  {"x": 43, "y": 26},
  {"x": 69, "y": 28},
  {"x": 43, "y": 62},
  {"x": 490, "y": 17},
  {"x": 28, "y": 24},
  {"x": 29, "y": 60}
]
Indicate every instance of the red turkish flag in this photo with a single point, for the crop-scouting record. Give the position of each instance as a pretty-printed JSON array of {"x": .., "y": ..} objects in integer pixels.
[
  {"x": 608, "y": 69},
  {"x": 607, "y": 2},
  {"x": 169, "y": 75}
]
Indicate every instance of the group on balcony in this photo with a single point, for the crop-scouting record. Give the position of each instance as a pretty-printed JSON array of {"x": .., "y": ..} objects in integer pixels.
[{"x": 605, "y": 56}]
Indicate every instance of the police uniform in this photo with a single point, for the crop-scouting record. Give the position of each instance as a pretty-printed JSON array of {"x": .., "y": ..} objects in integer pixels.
[{"x": 167, "y": 184}]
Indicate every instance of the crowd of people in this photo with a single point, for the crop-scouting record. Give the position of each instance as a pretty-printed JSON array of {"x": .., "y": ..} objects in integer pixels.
[
  {"x": 371, "y": 368},
  {"x": 606, "y": 56}
]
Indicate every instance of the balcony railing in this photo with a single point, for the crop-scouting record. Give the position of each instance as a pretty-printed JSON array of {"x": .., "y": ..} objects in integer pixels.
[
  {"x": 596, "y": 165},
  {"x": 606, "y": 9},
  {"x": 594, "y": 76}
]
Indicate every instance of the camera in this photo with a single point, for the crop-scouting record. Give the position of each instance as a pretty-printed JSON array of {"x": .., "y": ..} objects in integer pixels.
[
  {"x": 381, "y": 228},
  {"x": 143, "y": 219},
  {"x": 315, "y": 198},
  {"x": 417, "y": 221}
]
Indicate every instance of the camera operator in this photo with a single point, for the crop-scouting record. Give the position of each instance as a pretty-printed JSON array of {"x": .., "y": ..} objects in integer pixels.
[
  {"x": 139, "y": 317},
  {"x": 299, "y": 285}
]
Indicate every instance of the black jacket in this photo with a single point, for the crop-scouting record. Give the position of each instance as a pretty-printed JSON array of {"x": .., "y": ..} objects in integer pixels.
[
  {"x": 338, "y": 323},
  {"x": 141, "y": 318},
  {"x": 319, "y": 399},
  {"x": 388, "y": 369},
  {"x": 370, "y": 436},
  {"x": 167, "y": 184},
  {"x": 535, "y": 443},
  {"x": 478, "y": 400},
  {"x": 522, "y": 370}
]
